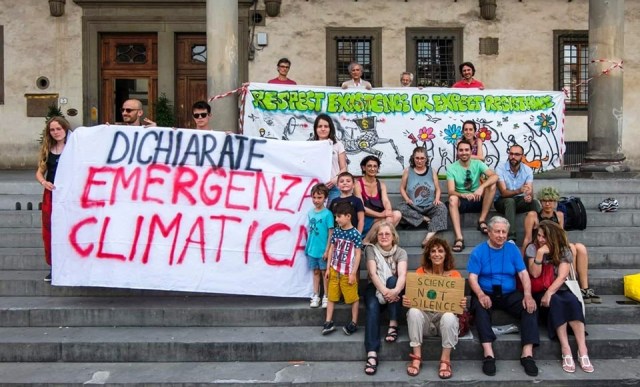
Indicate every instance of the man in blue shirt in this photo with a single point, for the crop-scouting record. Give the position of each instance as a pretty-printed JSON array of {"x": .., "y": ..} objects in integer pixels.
[
  {"x": 493, "y": 267},
  {"x": 515, "y": 188}
]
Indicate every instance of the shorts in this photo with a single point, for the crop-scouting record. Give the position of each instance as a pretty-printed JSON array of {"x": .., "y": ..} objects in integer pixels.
[
  {"x": 316, "y": 263},
  {"x": 469, "y": 206},
  {"x": 339, "y": 285}
]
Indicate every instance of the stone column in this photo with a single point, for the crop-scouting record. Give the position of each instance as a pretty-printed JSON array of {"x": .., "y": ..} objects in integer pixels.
[
  {"x": 222, "y": 61},
  {"x": 606, "y": 41}
]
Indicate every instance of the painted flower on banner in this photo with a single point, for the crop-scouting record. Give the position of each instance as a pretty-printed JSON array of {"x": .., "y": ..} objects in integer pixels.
[
  {"x": 453, "y": 133},
  {"x": 545, "y": 122},
  {"x": 426, "y": 134},
  {"x": 484, "y": 134}
]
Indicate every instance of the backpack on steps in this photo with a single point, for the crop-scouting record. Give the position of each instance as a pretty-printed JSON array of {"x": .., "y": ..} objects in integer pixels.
[{"x": 575, "y": 215}]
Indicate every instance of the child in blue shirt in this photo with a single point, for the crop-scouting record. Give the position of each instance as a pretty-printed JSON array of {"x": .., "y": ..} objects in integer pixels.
[{"x": 320, "y": 229}]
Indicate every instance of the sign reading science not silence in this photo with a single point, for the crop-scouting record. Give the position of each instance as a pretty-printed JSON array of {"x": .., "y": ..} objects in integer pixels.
[{"x": 435, "y": 293}]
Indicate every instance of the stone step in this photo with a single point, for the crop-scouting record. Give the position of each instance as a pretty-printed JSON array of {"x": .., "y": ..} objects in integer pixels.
[
  {"x": 29, "y": 283},
  {"x": 218, "y": 311},
  {"x": 622, "y": 218},
  {"x": 20, "y": 202},
  {"x": 613, "y": 372},
  {"x": 22, "y": 258},
  {"x": 591, "y": 236},
  {"x": 600, "y": 257},
  {"x": 232, "y": 344}
]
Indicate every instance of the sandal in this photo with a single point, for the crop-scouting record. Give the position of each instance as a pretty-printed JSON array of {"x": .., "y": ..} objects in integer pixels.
[
  {"x": 567, "y": 364},
  {"x": 411, "y": 369},
  {"x": 369, "y": 367},
  {"x": 443, "y": 370},
  {"x": 482, "y": 227},
  {"x": 585, "y": 363},
  {"x": 392, "y": 334},
  {"x": 458, "y": 245}
]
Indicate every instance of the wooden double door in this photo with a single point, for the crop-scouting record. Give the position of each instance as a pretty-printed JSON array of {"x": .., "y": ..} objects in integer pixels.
[{"x": 129, "y": 69}]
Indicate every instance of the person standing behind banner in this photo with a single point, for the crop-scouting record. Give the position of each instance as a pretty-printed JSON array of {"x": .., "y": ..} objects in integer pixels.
[
  {"x": 283, "y": 70},
  {"x": 53, "y": 141},
  {"x": 324, "y": 129},
  {"x": 469, "y": 130},
  {"x": 356, "y": 81},
  {"x": 468, "y": 70},
  {"x": 201, "y": 112}
]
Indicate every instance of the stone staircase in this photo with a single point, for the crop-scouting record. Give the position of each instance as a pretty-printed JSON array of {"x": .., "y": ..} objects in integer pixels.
[{"x": 73, "y": 336}]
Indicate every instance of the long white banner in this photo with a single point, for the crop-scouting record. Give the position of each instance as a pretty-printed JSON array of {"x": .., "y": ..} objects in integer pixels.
[
  {"x": 184, "y": 210},
  {"x": 389, "y": 123}
]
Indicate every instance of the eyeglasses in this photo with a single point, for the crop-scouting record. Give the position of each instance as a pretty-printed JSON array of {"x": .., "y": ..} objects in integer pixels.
[
  {"x": 200, "y": 115},
  {"x": 384, "y": 234},
  {"x": 515, "y": 154},
  {"x": 467, "y": 181},
  {"x": 284, "y": 67},
  {"x": 127, "y": 110}
]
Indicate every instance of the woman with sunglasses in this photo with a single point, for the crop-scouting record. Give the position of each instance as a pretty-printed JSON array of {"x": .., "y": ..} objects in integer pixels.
[
  {"x": 53, "y": 141},
  {"x": 420, "y": 190}
]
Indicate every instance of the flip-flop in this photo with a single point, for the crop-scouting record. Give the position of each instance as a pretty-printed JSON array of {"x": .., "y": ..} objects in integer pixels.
[
  {"x": 442, "y": 370},
  {"x": 458, "y": 247},
  {"x": 411, "y": 369}
]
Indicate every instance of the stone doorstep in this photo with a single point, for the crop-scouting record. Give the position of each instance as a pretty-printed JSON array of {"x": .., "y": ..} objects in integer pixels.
[
  {"x": 609, "y": 372},
  {"x": 220, "y": 311},
  {"x": 153, "y": 344}
]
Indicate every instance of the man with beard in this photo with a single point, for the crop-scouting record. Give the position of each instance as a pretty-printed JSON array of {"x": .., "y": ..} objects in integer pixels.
[
  {"x": 132, "y": 114},
  {"x": 467, "y": 193},
  {"x": 468, "y": 71},
  {"x": 515, "y": 188}
]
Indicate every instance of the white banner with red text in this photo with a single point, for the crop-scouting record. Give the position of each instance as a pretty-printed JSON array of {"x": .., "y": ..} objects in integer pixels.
[
  {"x": 391, "y": 122},
  {"x": 188, "y": 210}
]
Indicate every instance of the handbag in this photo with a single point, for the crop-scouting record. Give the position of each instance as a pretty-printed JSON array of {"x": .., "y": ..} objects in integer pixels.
[
  {"x": 572, "y": 284},
  {"x": 543, "y": 281}
]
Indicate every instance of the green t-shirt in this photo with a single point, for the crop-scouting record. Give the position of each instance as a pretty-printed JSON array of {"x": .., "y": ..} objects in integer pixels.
[{"x": 458, "y": 174}]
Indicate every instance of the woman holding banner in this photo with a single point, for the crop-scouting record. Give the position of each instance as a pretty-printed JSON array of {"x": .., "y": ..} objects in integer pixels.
[
  {"x": 324, "y": 129},
  {"x": 53, "y": 141},
  {"x": 387, "y": 267},
  {"x": 437, "y": 259}
]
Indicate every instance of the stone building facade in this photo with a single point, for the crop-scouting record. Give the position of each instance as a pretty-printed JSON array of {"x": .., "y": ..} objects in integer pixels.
[{"x": 90, "y": 56}]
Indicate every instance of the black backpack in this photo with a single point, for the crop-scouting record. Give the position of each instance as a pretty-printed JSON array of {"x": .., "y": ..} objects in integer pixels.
[{"x": 575, "y": 216}]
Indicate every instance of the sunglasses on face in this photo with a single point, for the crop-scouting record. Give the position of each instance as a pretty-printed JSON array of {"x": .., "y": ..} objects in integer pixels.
[
  {"x": 200, "y": 115},
  {"x": 467, "y": 181},
  {"x": 127, "y": 110}
]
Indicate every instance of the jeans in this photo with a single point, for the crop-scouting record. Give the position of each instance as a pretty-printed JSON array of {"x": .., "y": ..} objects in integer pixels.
[
  {"x": 512, "y": 304},
  {"x": 373, "y": 309}
]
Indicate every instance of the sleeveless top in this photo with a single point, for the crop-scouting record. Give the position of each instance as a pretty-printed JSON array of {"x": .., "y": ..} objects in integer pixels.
[
  {"x": 553, "y": 218},
  {"x": 52, "y": 165},
  {"x": 372, "y": 202},
  {"x": 420, "y": 188}
]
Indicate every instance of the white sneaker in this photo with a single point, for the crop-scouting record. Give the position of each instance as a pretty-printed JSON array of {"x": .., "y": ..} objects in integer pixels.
[
  {"x": 325, "y": 301},
  {"x": 315, "y": 301}
]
